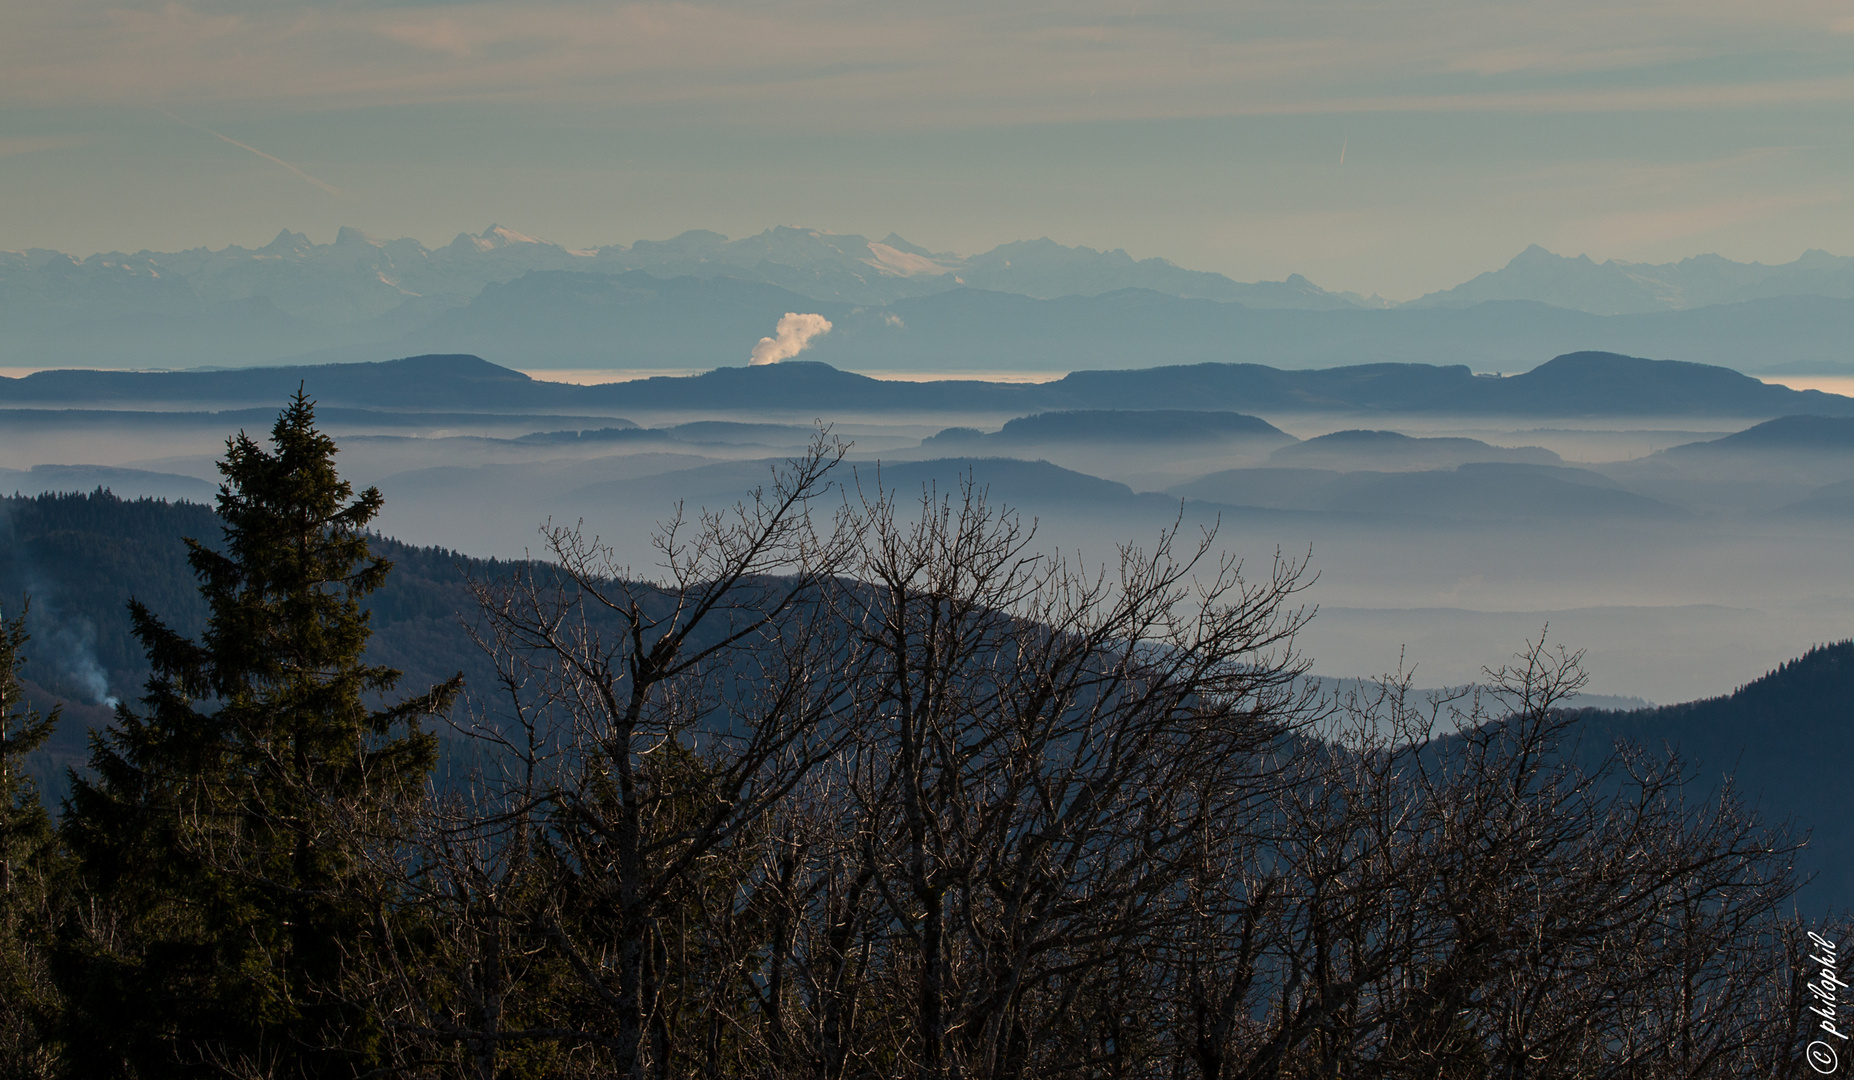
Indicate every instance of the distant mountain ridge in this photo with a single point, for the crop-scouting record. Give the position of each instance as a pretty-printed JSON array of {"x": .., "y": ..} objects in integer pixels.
[
  {"x": 1576, "y": 384},
  {"x": 559, "y": 319},
  {"x": 1624, "y": 288},
  {"x": 1120, "y": 425},
  {"x": 358, "y": 277},
  {"x": 1807, "y": 434},
  {"x": 416, "y": 382},
  {"x": 1391, "y": 450},
  {"x": 639, "y": 319}
]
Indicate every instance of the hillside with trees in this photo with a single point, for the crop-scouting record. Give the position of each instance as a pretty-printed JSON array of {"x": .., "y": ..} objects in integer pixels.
[
  {"x": 82, "y": 557},
  {"x": 1783, "y": 742}
]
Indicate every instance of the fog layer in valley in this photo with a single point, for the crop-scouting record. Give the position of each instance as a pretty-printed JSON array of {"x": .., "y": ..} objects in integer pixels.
[{"x": 1684, "y": 570}]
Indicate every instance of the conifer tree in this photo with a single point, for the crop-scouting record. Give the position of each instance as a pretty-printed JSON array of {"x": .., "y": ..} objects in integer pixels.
[
  {"x": 227, "y": 822},
  {"x": 29, "y": 875}
]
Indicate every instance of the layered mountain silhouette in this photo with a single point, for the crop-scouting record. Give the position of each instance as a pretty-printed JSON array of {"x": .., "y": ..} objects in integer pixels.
[
  {"x": 1392, "y": 451},
  {"x": 1109, "y": 426},
  {"x": 1790, "y": 466},
  {"x": 1786, "y": 434},
  {"x": 1579, "y": 384},
  {"x": 577, "y": 319}
]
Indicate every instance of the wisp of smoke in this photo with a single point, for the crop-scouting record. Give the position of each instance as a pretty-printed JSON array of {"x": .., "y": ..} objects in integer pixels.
[
  {"x": 81, "y": 664},
  {"x": 67, "y": 646},
  {"x": 71, "y": 649},
  {"x": 794, "y": 333}
]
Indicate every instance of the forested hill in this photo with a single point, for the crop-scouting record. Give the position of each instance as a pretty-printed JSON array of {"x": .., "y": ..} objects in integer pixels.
[
  {"x": 81, "y": 557},
  {"x": 1787, "y": 740}
]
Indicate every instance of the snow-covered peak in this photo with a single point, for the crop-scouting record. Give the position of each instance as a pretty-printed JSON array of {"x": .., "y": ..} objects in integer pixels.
[
  {"x": 348, "y": 236},
  {"x": 892, "y": 260},
  {"x": 496, "y": 236}
]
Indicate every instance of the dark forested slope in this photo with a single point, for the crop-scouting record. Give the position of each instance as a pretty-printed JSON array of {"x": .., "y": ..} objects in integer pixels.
[
  {"x": 1787, "y": 742},
  {"x": 81, "y": 557}
]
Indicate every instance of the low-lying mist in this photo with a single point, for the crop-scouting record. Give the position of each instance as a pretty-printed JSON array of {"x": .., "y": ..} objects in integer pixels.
[{"x": 1444, "y": 541}]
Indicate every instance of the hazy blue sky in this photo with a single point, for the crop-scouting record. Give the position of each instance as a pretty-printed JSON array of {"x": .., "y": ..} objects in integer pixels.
[{"x": 1207, "y": 132}]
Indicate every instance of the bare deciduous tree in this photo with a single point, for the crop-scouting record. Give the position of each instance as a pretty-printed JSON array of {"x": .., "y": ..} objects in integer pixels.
[
  {"x": 1462, "y": 890},
  {"x": 904, "y": 795},
  {"x": 688, "y": 710},
  {"x": 1039, "y": 751}
]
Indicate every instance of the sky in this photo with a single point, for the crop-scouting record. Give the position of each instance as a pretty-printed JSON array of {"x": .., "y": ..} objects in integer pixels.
[{"x": 1372, "y": 145}]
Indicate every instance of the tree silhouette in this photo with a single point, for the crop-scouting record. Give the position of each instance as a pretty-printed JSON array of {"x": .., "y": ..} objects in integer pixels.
[
  {"x": 227, "y": 821},
  {"x": 29, "y": 874}
]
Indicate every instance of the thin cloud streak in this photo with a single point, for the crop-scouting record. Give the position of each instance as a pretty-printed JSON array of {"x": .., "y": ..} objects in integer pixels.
[
  {"x": 874, "y": 69},
  {"x": 330, "y": 188}
]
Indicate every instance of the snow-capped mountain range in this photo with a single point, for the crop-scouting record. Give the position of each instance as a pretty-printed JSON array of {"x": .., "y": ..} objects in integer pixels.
[
  {"x": 898, "y": 304},
  {"x": 1624, "y": 288},
  {"x": 358, "y": 277}
]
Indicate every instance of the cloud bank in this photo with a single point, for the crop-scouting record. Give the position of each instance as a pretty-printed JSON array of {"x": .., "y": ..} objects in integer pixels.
[
  {"x": 873, "y": 66},
  {"x": 794, "y": 334}
]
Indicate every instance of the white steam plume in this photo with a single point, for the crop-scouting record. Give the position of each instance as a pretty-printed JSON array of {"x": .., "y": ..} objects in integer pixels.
[{"x": 794, "y": 332}]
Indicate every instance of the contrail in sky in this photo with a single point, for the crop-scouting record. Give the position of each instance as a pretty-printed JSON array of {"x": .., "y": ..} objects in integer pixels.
[
  {"x": 1342, "y": 141},
  {"x": 242, "y": 146}
]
